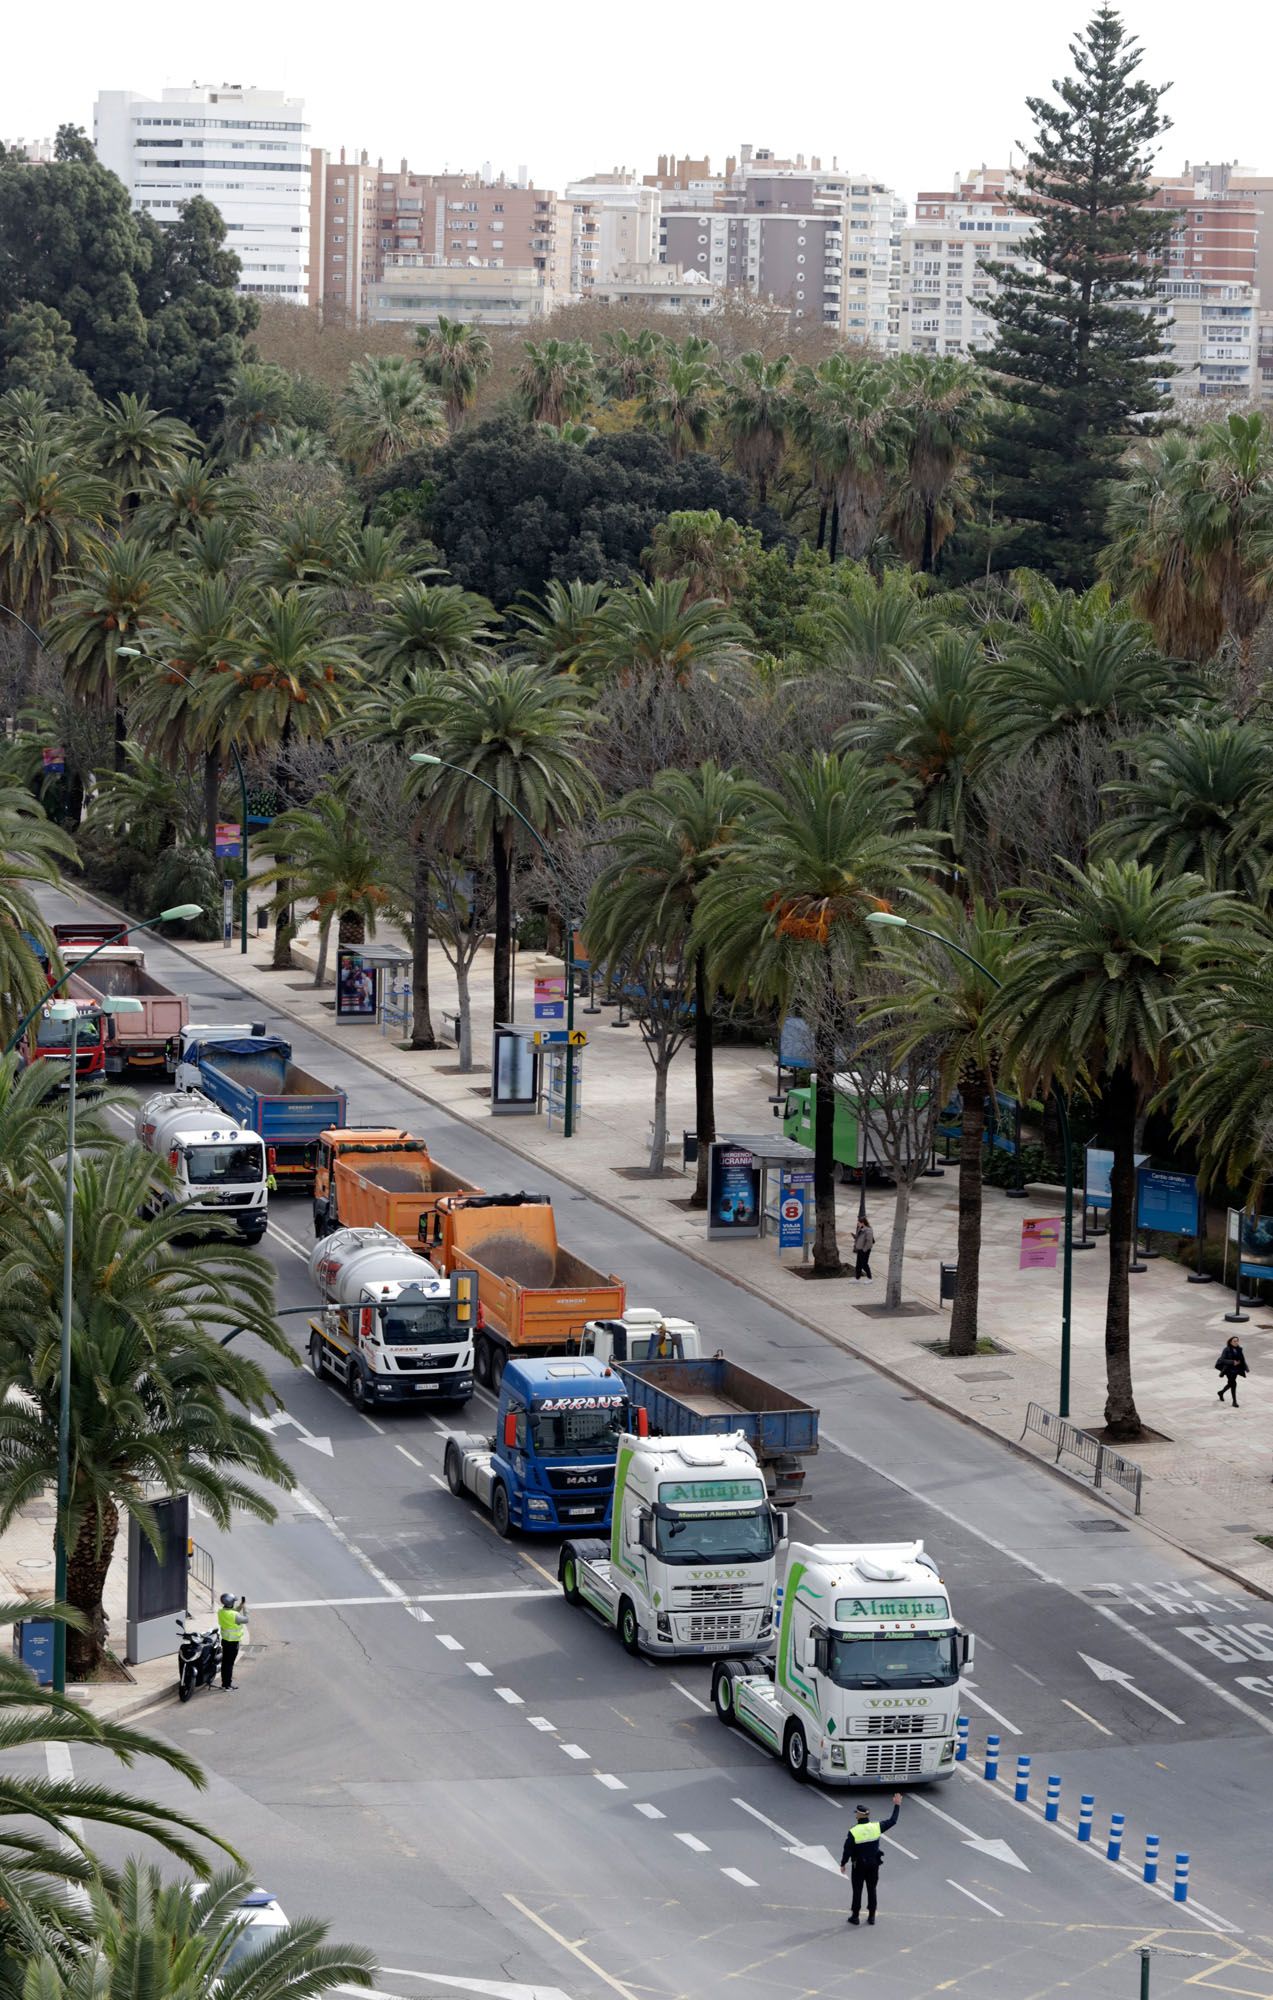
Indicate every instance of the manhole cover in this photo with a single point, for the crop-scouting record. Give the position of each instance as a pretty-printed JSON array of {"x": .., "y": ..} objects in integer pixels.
[
  {"x": 1240, "y": 1528},
  {"x": 1100, "y": 1527},
  {"x": 34, "y": 1562}
]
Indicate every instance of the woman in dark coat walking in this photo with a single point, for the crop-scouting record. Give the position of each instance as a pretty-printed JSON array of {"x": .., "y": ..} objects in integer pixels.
[{"x": 1231, "y": 1364}]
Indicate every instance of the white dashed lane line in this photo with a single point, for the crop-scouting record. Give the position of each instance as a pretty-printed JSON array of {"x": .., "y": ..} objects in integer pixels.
[
  {"x": 542, "y": 1722},
  {"x": 736, "y": 1875},
  {"x": 972, "y": 1898},
  {"x": 513, "y": 1699},
  {"x": 573, "y": 1750},
  {"x": 706, "y": 1706},
  {"x": 608, "y": 1779},
  {"x": 650, "y": 1812},
  {"x": 418, "y": 1463},
  {"x": 692, "y": 1841},
  {"x": 476, "y": 1667},
  {"x": 452, "y": 1645}
]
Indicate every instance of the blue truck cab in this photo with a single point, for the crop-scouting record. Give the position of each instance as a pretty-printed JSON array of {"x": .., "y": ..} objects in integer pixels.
[{"x": 549, "y": 1469}]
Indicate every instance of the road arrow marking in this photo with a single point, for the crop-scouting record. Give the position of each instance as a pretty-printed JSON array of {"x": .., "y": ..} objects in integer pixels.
[
  {"x": 271, "y": 1424},
  {"x": 995, "y": 1850},
  {"x": 802, "y": 1850},
  {"x": 1124, "y": 1680}
]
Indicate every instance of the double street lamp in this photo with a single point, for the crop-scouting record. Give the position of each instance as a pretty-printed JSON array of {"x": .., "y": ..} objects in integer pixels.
[
  {"x": 889, "y": 920},
  {"x": 426, "y": 757}
]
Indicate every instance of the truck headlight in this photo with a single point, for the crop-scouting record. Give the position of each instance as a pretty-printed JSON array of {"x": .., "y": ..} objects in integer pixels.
[
  {"x": 947, "y": 1753},
  {"x": 663, "y": 1625},
  {"x": 766, "y": 1620},
  {"x": 837, "y": 1755},
  {"x": 534, "y": 1505}
]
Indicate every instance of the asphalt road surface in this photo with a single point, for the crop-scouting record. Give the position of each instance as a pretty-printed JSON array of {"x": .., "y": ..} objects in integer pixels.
[{"x": 433, "y": 1751}]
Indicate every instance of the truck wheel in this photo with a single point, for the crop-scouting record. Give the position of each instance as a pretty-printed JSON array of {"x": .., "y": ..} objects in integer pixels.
[
  {"x": 629, "y": 1630},
  {"x": 357, "y": 1387},
  {"x": 316, "y": 1356},
  {"x": 570, "y": 1577},
  {"x": 796, "y": 1753},
  {"x": 499, "y": 1509},
  {"x": 482, "y": 1361},
  {"x": 454, "y": 1470},
  {"x": 498, "y": 1363},
  {"x": 723, "y": 1694}
]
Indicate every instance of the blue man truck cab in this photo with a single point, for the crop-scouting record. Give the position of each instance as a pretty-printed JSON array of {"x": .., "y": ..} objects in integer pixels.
[{"x": 549, "y": 1469}]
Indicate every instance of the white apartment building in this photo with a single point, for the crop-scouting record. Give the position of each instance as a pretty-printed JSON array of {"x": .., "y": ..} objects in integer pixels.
[
  {"x": 626, "y": 214},
  {"x": 942, "y": 288},
  {"x": 1211, "y": 327},
  {"x": 244, "y": 150}
]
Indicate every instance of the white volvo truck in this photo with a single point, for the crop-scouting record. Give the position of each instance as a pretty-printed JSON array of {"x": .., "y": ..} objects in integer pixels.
[
  {"x": 690, "y": 1564},
  {"x": 217, "y": 1166},
  {"x": 393, "y": 1329},
  {"x": 864, "y": 1683}
]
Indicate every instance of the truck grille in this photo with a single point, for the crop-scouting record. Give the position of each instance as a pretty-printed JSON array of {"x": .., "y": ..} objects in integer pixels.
[
  {"x": 893, "y": 1760},
  {"x": 429, "y": 1362},
  {"x": 719, "y": 1596},
  {"x": 930, "y": 1723},
  {"x": 707, "y": 1628},
  {"x": 579, "y": 1479}
]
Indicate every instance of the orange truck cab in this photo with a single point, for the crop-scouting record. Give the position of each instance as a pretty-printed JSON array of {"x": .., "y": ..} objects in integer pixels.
[
  {"x": 373, "y": 1177},
  {"x": 536, "y": 1296}
]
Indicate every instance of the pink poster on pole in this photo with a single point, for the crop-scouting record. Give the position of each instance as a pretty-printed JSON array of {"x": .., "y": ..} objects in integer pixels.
[{"x": 1040, "y": 1242}]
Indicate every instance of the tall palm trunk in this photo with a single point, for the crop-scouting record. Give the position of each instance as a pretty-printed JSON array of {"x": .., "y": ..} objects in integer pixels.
[
  {"x": 211, "y": 795},
  {"x": 86, "y": 1569},
  {"x": 502, "y": 866},
  {"x": 835, "y": 529},
  {"x": 1120, "y": 1103},
  {"x": 974, "y": 1092},
  {"x": 704, "y": 1077},
  {"x": 822, "y": 525},
  {"x": 928, "y": 562},
  {"x": 826, "y": 1248},
  {"x": 422, "y": 1035},
  {"x": 284, "y": 927}
]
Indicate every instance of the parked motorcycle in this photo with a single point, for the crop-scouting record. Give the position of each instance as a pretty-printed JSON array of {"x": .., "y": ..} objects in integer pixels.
[{"x": 198, "y": 1659}]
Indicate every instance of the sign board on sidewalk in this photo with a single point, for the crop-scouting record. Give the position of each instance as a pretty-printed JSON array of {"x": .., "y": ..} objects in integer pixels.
[
  {"x": 1040, "y": 1243},
  {"x": 1253, "y": 1235},
  {"x": 733, "y": 1191},
  {"x": 1098, "y": 1165},
  {"x": 229, "y": 840},
  {"x": 1167, "y": 1201},
  {"x": 227, "y": 913},
  {"x": 550, "y": 996},
  {"x": 795, "y": 1192},
  {"x": 356, "y": 986}
]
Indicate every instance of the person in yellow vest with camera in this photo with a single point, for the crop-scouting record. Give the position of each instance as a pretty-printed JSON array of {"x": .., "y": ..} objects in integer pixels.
[
  {"x": 862, "y": 1856},
  {"x": 234, "y": 1631}
]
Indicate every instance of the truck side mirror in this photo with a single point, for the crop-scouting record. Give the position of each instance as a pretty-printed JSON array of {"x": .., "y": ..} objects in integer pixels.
[
  {"x": 510, "y": 1430},
  {"x": 966, "y": 1645},
  {"x": 780, "y": 1526},
  {"x": 821, "y": 1651}
]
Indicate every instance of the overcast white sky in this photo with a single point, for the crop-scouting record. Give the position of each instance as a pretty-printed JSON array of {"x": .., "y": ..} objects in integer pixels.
[{"x": 909, "y": 93}]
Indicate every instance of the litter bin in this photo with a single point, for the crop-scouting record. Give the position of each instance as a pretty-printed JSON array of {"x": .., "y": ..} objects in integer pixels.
[
  {"x": 33, "y": 1644},
  {"x": 689, "y": 1149},
  {"x": 949, "y": 1275}
]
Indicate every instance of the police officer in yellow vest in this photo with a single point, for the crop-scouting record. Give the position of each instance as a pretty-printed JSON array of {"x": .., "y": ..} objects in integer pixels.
[
  {"x": 233, "y": 1632},
  {"x": 862, "y": 1851}
]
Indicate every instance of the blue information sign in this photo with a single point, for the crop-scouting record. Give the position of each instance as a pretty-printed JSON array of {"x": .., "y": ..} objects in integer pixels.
[
  {"x": 36, "y": 1648},
  {"x": 791, "y": 1211},
  {"x": 1167, "y": 1201}
]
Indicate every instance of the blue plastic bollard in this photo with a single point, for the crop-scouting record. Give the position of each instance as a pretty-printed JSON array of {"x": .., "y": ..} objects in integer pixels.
[
  {"x": 1151, "y": 1857},
  {"x": 992, "y": 1757},
  {"x": 961, "y": 1735},
  {"x": 1052, "y": 1810},
  {"x": 1114, "y": 1852},
  {"x": 1022, "y": 1788},
  {"x": 1180, "y": 1893},
  {"x": 1087, "y": 1806}
]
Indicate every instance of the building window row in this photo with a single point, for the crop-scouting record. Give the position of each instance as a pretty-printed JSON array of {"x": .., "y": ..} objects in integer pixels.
[{"x": 226, "y": 124}]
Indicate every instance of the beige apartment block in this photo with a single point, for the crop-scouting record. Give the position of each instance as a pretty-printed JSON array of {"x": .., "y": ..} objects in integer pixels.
[
  {"x": 659, "y": 288},
  {"x": 416, "y": 288},
  {"x": 625, "y": 213},
  {"x": 944, "y": 288}
]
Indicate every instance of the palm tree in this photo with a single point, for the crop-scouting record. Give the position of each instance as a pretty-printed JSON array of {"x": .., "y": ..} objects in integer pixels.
[
  {"x": 426, "y": 625},
  {"x": 33, "y": 1122},
  {"x": 218, "y": 546},
  {"x": 679, "y": 403},
  {"x": 118, "y": 589},
  {"x": 308, "y": 546},
  {"x": 387, "y": 410},
  {"x": 187, "y": 499},
  {"x": 454, "y": 357},
  {"x": 631, "y": 361},
  {"x": 372, "y": 565},
  {"x": 130, "y": 445},
  {"x": 51, "y": 513},
  {"x": 944, "y": 404},
  {"x": 653, "y": 629},
  {"x": 783, "y": 918},
  {"x": 670, "y": 837},
  {"x": 1223, "y": 1082},
  {"x": 857, "y": 440},
  {"x": 755, "y": 415},
  {"x": 324, "y": 851},
  {"x": 1199, "y": 800},
  {"x": 1077, "y": 665},
  {"x": 155, "y": 1397},
  {"x": 925, "y": 722},
  {"x": 876, "y": 626},
  {"x": 173, "y": 690},
  {"x": 148, "y": 803},
  {"x": 157, "y": 1940},
  {"x": 713, "y": 554},
  {"x": 555, "y": 380},
  {"x": 259, "y": 400},
  {"x": 31, "y": 851},
  {"x": 944, "y": 1001},
  {"x": 522, "y": 731},
  {"x": 560, "y": 626},
  {"x": 1096, "y": 994}
]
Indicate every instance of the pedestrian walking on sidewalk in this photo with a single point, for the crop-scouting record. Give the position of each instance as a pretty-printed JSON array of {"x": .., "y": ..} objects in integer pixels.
[
  {"x": 1231, "y": 1364},
  {"x": 863, "y": 1244},
  {"x": 862, "y": 1856}
]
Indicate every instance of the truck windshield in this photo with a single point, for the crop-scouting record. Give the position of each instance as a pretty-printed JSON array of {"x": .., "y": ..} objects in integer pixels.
[
  {"x": 55, "y": 1034},
  {"x": 904, "y": 1659},
  {"x": 220, "y": 1166},
  {"x": 415, "y": 1324},
  {"x": 573, "y": 1433},
  {"x": 714, "y": 1538}
]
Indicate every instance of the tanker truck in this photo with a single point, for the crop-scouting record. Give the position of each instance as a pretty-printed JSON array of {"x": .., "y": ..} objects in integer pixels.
[
  {"x": 217, "y": 1170},
  {"x": 393, "y": 1329}
]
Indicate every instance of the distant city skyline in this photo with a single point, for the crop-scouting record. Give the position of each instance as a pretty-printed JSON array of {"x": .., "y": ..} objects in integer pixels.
[{"x": 914, "y": 111}]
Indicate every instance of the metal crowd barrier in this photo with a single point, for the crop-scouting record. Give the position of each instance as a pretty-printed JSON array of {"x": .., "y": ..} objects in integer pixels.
[{"x": 1108, "y": 1468}]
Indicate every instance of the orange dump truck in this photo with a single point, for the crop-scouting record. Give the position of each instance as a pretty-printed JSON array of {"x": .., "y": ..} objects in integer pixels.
[
  {"x": 375, "y": 1177},
  {"x": 536, "y": 1296}
]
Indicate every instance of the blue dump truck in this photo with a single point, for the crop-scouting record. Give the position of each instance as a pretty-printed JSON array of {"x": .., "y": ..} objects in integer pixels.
[
  {"x": 251, "y": 1076},
  {"x": 549, "y": 1468},
  {"x": 717, "y": 1398}
]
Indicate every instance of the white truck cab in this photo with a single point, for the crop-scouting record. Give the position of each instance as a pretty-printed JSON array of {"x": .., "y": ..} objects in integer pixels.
[
  {"x": 217, "y": 1166},
  {"x": 690, "y": 1564},
  {"x": 865, "y": 1674},
  {"x": 643, "y": 1334}
]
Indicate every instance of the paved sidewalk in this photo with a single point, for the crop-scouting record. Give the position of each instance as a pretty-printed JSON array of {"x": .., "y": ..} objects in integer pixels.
[{"x": 1207, "y": 1482}]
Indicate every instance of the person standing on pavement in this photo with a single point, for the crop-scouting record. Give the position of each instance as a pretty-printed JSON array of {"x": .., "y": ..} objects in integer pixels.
[
  {"x": 863, "y": 1244},
  {"x": 1231, "y": 1364},
  {"x": 862, "y": 1856},
  {"x": 233, "y": 1632}
]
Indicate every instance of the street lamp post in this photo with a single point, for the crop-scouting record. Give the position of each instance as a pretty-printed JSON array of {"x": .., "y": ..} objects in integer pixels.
[
  {"x": 139, "y": 653},
  {"x": 568, "y": 1108},
  {"x": 889, "y": 919}
]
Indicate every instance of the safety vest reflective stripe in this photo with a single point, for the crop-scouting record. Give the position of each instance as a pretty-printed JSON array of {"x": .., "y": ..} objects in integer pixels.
[{"x": 868, "y": 1830}]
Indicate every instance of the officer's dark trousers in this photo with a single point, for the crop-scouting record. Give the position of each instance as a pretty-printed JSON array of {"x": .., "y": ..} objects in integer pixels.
[
  {"x": 229, "y": 1654},
  {"x": 860, "y": 1876}
]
